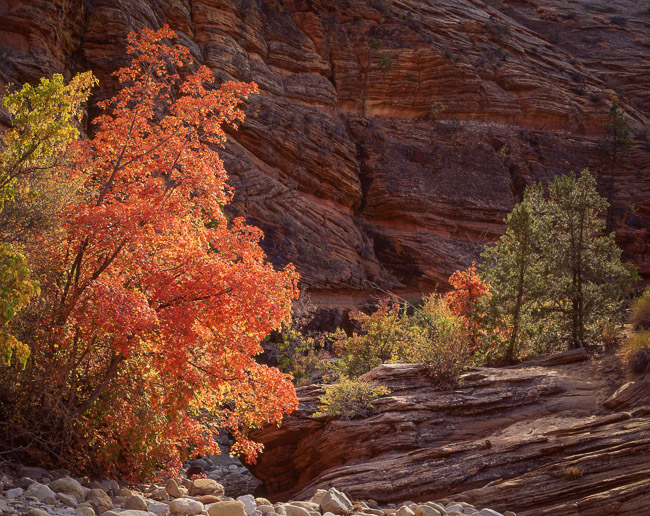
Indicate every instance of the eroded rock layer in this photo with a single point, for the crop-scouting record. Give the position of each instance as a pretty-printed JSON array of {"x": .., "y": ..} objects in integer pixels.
[
  {"x": 535, "y": 439},
  {"x": 482, "y": 98}
]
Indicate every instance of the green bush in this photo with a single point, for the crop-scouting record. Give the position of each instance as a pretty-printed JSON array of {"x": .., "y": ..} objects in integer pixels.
[
  {"x": 433, "y": 336},
  {"x": 635, "y": 352},
  {"x": 640, "y": 313},
  {"x": 378, "y": 340},
  {"x": 438, "y": 339},
  {"x": 350, "y": 398},
  {"x": 610, "y": 335}
]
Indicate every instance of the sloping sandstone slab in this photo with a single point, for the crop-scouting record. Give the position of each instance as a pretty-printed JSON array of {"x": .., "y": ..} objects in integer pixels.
[{"x": 532, "y": 439}]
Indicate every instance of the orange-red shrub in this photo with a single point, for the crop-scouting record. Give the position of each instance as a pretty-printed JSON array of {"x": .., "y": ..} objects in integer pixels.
[{"x": 468, "y": 289}]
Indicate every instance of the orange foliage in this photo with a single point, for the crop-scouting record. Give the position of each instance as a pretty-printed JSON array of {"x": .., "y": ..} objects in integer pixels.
[
  {"x": 155, "y": 303},
  {"x": 468, "y": 288}
]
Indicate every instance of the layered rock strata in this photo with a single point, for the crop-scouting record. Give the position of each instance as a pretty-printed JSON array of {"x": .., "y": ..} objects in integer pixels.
[
  {"x": 535, "y": 439},
  {"x": 481, "y": 100}
]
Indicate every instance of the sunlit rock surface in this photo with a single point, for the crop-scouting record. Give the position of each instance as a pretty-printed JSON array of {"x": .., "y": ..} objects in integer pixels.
[{"x": 482, "y": 99}]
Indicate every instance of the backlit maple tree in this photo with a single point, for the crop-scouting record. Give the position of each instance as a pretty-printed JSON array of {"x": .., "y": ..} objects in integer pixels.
[
  {"x": 154, "y": 304},
  {"x": 468, "y": 289}
]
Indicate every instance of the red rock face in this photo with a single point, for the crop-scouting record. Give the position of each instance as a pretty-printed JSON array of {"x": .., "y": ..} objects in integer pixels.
[
  {"x": 481, "y": 100},
  {"x": 541, "y": 438}
]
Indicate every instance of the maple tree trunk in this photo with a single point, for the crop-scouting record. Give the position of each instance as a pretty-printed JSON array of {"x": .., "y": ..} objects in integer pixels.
[{"x": 111, "y": 372}]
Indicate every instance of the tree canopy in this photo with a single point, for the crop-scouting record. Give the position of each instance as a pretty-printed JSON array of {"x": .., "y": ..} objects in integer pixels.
[{"x": 153, "y": 303}]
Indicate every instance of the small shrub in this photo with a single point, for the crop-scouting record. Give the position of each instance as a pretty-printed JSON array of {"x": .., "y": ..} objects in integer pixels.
[
  {"x": 383, "y": 6},
  {"x": 496, "y": 28},
  {"x": 437, "y": 109},
  {"x": 640, "y": 313},
  {"x": 438, "y": 339},
  {"x": 501, "y": 53},
  {"x": 377, "y": 341},
  {"x": 579, "y": 90},
  {"x": 571, "y": 472},
  {"x": 454, "y": 124},
  {"x": 595, "y": 97},
  {"x": 303, "y": 356},
  {"x": 469, "y": 287},
  {"x": 635, "y": 352},
  {"x": 350, "y": 398},
  {"x": 576, "y": 77},
  {"x": 621, "y": 21},
  {"x": 610, "y": 335}
]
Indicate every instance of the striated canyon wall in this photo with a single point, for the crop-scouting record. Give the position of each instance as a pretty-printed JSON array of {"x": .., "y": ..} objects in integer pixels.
[{"x": 482, "y": 98}]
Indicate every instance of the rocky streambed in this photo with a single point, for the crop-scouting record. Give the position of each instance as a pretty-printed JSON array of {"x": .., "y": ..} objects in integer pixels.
[
  {"x": 565, "y": 436},
  {"x": 52, "y": 493}
]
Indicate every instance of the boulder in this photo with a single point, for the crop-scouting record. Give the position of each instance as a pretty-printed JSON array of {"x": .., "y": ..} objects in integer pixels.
[
  {"x": 334, "y": 501},
  {"x": 159, "y": 509},
  {"x": 67, "y": 499},
  {"x": 249, "y": 504},
  {"x": 426, "y": 510},
  {"x": 173, "y": 489},
  {"x": 36, "y": 512},
  {"x": 185, "y": 507},
  {"x": 136, "y": 503},
  {"x": 110, "y": 486},
  {"x": 159, "y": 494},
  {"x": 42, "y": 492},
  {"x": 100, "y": 497},
  {"x": 32, "y": 472},
  {"x": 310, "y": 506},
  {"x": 68, "y": 486},
  {"x": 24, "y": 482},
  {"x": 129, "y": 512},
  {"x": 404, "y": 511},
  {"x": 206, "y": 486},
  {"x": 292, "y": 510},
  {"x": 439, "y": 507},
  {"x": 233, "y": 508},
  {"x": 13, "y": 493},
  {"x": 194, "y": 471},
  {"x": 208, "y": 499}
]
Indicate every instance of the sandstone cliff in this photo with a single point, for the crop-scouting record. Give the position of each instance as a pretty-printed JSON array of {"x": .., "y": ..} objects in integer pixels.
[
  {"x": 482, "y": 99},
  {"x": 541, "y": 438}
]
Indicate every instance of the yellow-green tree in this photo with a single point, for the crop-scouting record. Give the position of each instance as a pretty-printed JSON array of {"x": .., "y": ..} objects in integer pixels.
[{"x": 32, "y": 189}]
